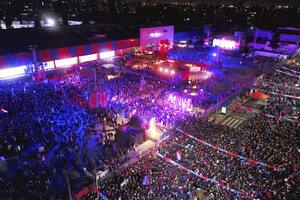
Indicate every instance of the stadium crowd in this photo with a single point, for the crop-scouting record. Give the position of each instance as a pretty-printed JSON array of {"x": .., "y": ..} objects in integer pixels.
[
  {"x": 262, "y": 139},
  {"x": 47, "y": 128}
]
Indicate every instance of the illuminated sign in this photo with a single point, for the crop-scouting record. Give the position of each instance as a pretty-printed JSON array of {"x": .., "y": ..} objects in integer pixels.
[
  {"x": 152, "y": 37},
  {"x": 107, "y": 54},
  {"x": 166, "y": 70},
  {"x": 66, "y": 62},
  {"x": 182, "y": 45},
  {"x": 12, "y": 72},
  {"x": 109, "y": 77},
  {"x": 195, "y": 69},
  {"x": 87, "y": 58},
  {"x": 225, "y": 44},
  {"x": 48, "y": 65},
  {"x": 223, "y": 110},
  {"x": 206, "y": 42},
  {"x": 155, "y": 35}
]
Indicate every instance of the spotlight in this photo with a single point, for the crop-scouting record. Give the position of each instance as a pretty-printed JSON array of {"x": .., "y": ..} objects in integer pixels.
[
  {"x": 160, "y": 69},
  {"x": 166, "y": 70},
  {"x": 172, "y": 72},
  {"x": 50, "y": 22}
]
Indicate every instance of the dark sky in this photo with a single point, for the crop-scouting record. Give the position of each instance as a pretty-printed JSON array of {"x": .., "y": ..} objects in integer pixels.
[{"x": 260, "y": 2}]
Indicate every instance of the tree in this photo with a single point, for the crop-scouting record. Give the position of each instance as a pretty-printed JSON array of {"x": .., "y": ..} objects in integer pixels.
[{"x": 275, "y": 39}]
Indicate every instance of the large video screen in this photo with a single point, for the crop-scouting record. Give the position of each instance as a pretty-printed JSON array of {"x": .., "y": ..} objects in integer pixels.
[
  {"x": 151, "y": 37},
  {"x": 225, "y": 44}
]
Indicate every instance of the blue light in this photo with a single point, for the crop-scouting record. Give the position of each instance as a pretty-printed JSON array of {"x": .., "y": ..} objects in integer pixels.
[{"x": 214, "y": 54}]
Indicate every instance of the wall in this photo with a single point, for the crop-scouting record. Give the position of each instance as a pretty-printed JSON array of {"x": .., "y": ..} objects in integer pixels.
[
  {"x": 283, "y": 47},
  {"x": 269, "y": 54},
  {"x": 21, "y": 59},
  {"x": 154, "y": 35},
  {"x": 290, "y": 38}
]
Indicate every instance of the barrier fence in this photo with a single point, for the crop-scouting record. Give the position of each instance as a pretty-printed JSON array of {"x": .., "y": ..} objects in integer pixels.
[{"x": 232, "y": 154}]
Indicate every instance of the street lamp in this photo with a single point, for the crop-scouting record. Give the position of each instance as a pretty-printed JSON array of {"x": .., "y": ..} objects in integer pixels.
[{"x": 50, "y": 22}]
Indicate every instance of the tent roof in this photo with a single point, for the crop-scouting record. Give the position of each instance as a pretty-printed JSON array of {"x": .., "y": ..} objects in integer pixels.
[{"x": 258, "y": 95}]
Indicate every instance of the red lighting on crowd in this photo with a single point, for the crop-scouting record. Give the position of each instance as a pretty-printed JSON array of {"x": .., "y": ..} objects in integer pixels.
[{"x": 167, "y": 70}]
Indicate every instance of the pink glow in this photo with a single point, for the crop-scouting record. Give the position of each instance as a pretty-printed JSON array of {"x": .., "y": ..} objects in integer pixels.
[
  {"x": 87, "y": 58},
  {"x": 12, "y": 72},
  {"x": 155, "y": 35},
  {"x": 171, "y": 61},
  {"x": 68, "y": 62},
  {"x": 107, "y": 54},
  {"x": 225, "y": 44}
]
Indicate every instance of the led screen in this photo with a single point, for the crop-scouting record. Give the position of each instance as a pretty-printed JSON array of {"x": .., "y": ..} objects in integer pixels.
[
  {"x": 150, "y": 37},
  {"x": 49, "y": 65},
  {"x": 66, "y": 62},
  {"x": 225, "y": 44},
  {"x": 12, "y": 72},
  {"x": 107, "y": 54},
  {"x": 87, "y": 58}
]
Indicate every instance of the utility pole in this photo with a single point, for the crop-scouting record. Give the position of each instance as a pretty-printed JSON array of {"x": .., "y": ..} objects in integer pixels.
[
  {"x": 95, "y": 87},
  {"x": 34, "y": 69},
  {"x": 68, "y": 184},
  {"x": 219, "y": 54}
]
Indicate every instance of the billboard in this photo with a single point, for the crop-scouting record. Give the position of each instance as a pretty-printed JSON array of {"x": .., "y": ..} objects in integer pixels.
[
  {"x": 225, "y": 44},
  {"x": 107, "y": 54},
  {"x": 151, "y": 37}
]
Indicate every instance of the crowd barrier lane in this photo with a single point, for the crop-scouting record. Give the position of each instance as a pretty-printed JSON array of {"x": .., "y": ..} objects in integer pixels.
[
  {"x": 286, "y": 73},
  {"x": 218, "y": 184},
  {"x": 295, "y": 72},
  {"x": 280, "y": 117},
  {"x": 230, "y": 153},
  {"x": 281, "y": 94}
]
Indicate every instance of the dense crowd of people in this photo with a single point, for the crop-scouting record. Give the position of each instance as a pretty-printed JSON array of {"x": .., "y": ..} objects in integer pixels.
[
  {"x": 37, "y": 117},
  {"x": 262, "y": 139},
  {"x": 48, "y": 128}
]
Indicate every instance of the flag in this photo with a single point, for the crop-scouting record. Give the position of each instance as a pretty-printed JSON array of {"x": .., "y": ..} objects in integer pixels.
[
  {"x": 3, "y": 110},
  {"x": 252, "y": 162},
  {"x": 102, "y": 196},
  {"x": 146, "y": 180},
  {"x": 178, "y": 156},
  {"x": 125, "y": 182}
]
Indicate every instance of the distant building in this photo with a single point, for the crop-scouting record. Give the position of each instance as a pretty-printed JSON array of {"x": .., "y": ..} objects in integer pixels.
[
  {"x": 114, "y": 6},
  {"x": 283, "y": 40}
]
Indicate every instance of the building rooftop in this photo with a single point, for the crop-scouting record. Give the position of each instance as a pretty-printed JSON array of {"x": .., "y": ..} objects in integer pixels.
[{"x": 19, "y": 40}]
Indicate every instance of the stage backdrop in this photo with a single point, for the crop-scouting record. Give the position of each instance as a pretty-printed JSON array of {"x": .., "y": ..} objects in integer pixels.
[{"x": 151, "y": 37}]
